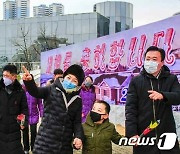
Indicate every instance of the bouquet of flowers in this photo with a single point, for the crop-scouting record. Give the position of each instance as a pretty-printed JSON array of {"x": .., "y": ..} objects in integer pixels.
[
  {"x": 151, "y": 127},
  {"x": 21, "y": 119}
]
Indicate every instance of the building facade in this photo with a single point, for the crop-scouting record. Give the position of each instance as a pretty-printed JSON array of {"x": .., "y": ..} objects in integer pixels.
[
  {"x": 22, "y": 8},
  {"x": 119, "y": 13},
  {"x": 75, "y": 27},
  {"x": 41, "y": 10},
  {"x": 9, "y": 9},
  {"x": 16, "y": 9},
  {"x": 56, "y": 9},
  {"x": 53, "y": 10}
]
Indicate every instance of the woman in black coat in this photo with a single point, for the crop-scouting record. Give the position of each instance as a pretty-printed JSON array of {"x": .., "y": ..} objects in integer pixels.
[{"x": 61, "y": 122}]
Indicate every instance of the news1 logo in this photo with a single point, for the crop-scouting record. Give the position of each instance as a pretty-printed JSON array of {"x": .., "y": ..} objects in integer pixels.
[{"x": 166, "y": 141}]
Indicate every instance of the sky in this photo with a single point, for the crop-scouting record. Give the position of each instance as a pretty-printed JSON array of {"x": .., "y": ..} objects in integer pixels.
[{"x": 144, "y": 11}]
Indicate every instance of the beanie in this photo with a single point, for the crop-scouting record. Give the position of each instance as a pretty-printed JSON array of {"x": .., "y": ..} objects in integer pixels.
[{"x": 77, "y": 71}]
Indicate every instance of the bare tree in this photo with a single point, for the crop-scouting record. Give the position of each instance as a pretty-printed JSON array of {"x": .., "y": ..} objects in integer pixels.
[
  {"x": 31, "y": 52},
  {"x": 46, "y": 42},
  {"x": 23, "y": 47}
]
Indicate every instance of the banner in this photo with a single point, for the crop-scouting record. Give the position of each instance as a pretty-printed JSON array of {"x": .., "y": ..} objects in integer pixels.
[{"x": 114, "y": 59}]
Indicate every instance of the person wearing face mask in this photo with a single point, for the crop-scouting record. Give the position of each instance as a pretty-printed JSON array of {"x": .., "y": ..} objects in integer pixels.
[
  {"x": 150, "y": 97},
  {"x": 13, "y": 102},
  {"x": 88, "y": 96},
  {"x": 58, "y": 74},
  {"x": 61, "y": 123},
  {"x": 98, "y": 131}
]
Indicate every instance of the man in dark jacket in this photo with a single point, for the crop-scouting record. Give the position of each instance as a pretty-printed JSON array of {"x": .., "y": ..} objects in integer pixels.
[
  {"x": 150, "y": 97},
  {"x": 12, "y": 103},
  {"x": 58, "y": 73},
  {"x": 62, "y": 113}
]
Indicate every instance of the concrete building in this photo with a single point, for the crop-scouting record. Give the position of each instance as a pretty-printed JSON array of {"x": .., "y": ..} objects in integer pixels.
[
  {"x": 119, "y": 13},
  {"x": 41, "y": 10},
  {"x": 16, "y": 9},
  {"x": 56, "y": 9},
  {"x": 53, "y": 10},
  {"x": 75, "y": 27},
  {"x": 22, "y": 8},
  {"x": 9, "y": 9}
]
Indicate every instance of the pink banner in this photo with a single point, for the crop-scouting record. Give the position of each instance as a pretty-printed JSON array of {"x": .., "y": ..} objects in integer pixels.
[{"x": 114, "y": 59}]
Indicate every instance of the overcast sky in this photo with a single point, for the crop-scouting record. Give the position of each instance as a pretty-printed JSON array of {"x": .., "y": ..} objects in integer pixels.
[{"x": 144, "y": 11}]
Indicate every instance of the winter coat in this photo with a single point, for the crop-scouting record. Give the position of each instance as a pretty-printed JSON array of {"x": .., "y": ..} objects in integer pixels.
[
  {"x": 35, "y": 107},
  {"x": 139, "y": 107},
  {"x": 88, "y": 97},
  {"x": 11, "y": 105},
  {"x": 98, "y": 137},
  {"x": 61, "y": 120}
]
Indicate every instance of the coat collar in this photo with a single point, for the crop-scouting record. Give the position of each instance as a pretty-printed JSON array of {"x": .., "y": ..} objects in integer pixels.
[
  {"x": 90, "y": 89},
  {"x": 92, "y": 124},
  {"x": 165, "y": 72},
  {"x": 16, "y": 85},
  {"x": 57, "y": 83}
]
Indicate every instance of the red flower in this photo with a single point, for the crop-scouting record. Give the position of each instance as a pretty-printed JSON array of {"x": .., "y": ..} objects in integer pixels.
[
  {"x": 146, "y": 131},
  {"x": 21, "y": 117}
]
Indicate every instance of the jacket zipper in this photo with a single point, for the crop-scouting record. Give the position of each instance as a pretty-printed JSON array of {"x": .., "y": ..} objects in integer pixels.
[{"x": 154, "y": 111}]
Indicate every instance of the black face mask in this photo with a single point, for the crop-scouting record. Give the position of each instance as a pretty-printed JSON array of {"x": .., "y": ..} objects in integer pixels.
[{"x": 95, "y": 116}]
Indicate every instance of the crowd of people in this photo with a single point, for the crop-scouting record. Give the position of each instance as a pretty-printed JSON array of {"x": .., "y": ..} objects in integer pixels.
[{"x": 72, "y": 118}]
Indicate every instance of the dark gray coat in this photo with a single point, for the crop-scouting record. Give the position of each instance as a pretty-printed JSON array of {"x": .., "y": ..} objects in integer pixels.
[
  {"x": 60, "y": 124},
  {"x": 11, "y": 105},
  {"x": 139, "y": 108}
]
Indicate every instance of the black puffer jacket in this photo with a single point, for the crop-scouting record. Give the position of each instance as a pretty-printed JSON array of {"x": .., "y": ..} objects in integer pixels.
[
  {"x": 139, "y": 108},
  {"x": 60, "y": 124},
  {"x": 11, "y": 105}
]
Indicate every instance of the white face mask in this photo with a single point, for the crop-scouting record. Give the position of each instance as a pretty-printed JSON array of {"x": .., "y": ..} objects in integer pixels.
[
  {"x": 7, "y": 81},
  {"x": 150, "y": 66}
]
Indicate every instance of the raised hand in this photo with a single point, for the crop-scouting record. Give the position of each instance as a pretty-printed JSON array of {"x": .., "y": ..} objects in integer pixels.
[{"x": 26, "y": 76}]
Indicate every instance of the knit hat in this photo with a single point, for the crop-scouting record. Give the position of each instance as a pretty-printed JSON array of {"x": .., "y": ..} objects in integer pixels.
[{"x": 77, "y": 71}]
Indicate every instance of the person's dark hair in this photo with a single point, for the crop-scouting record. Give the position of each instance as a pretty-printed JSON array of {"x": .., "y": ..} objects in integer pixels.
[
  {"x": 108, "y": 108},
  {"x": 154, "y": 48},
  {"x": 58, "y": 71},
  {"x": 10, "y": 68}
]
